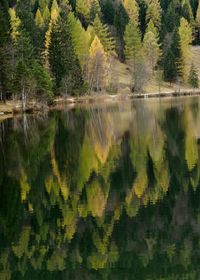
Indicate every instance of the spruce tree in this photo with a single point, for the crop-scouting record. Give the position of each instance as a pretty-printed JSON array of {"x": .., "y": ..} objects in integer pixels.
[
  {"x": 187, "y": 11},
  {"x": 154, "y": 12},
  {"x": 132, "y": 39},
  {"x": 121, "y": 20},
  {"x": 4, "y": 41},
  {"x": 64, "y": 64},
  {"x": 102, "y": 32},
  {"x": 80, "y": 39},
  {"x": 108, "y": 12},
  {"x": 132, "y": 9},
  {"x": 193, "y": 78},
  {"x": 171, "y": 57},
  {"x": 95, "y": 9}
]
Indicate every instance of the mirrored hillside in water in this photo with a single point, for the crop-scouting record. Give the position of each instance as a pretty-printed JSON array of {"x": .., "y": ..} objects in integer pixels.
[{"x": 103, "y": 192}]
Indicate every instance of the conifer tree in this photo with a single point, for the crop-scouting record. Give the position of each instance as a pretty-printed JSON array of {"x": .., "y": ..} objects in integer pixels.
[
  {"x": 39, "y": 21},
  {"x": 151, "y": 46},
  {"x": 135, "y": 56},
  {"x": 102, "y": 32},
  {"x": 83, "y": 11},
  {"x": 193, "y": 78},
  {"x": 154, "y": 12},
  {"x": 132, "y": 10},
  {"x": 187, "y": 11},
  {"x": 63, "y": 61},
  {"x": 95, "y": 9},
  {"x": 4, "y": 55},
  {"x": 132, "y": 38},
  {"x": 46, "y": 14},
  {"x": 185, "y": 34},
  {"x": 171, "y": 57},
  {"x": 121, "y": 20},
  {"x": 96, "y": 68},
  {"x": 80, "y": 39}
]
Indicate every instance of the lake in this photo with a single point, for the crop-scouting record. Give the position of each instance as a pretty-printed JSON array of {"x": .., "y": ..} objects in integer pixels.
[{"x": 102, "y": 192}]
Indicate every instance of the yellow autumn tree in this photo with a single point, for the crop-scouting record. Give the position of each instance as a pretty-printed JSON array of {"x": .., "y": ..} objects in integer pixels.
[
  {"x": 97, "y": 66},
  {"x": 39, "y": 21},
  {"x": 14, "y": 23},
  {"x": 185, "y": 34}
]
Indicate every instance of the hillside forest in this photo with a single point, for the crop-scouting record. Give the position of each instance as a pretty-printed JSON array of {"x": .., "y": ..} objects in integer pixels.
[{"x": 70, "y": 47}]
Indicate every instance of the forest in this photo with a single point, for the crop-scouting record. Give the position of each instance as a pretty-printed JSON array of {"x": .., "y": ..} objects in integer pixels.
[
  {"x": 70, "y": 47},
  {"x": 101, "y": 194}
]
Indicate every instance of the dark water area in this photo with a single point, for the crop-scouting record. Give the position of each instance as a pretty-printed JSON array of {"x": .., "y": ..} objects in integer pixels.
[{"x": 102, "y": 192}]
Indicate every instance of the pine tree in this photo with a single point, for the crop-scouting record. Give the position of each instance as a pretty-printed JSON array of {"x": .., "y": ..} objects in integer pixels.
[
  {"x": 4, "y": 55},
  {"x": 64, "y": 64},
  {"x": 193, "y": 78},
  {"x": 154, "y": 12},
  {"x": 102, "y": 32},
  {"x": 171, "y": 57},
  {"x": 39, "y": 21},
  {"x": 185, "y": 33},
  {"x": 121, "y": 20},
  {"x": 187, "y": 11},
  {"x": 83, "y": 11},
  {"x": 135, "y": 56},
  {"x": 95, "y": 9},
  {"x": 151, "y": 47},
  {"x": 132, "y": 10},
  {"x": 132, "y": 38},
  {"x": 80, "y": 39}
]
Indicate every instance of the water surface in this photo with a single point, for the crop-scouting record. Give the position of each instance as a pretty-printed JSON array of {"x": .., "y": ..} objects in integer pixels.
[{"x": 102, "y": 192}]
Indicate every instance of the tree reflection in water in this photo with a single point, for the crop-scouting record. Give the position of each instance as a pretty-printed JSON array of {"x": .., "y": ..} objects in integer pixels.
[{"x": 107, "y": 192}]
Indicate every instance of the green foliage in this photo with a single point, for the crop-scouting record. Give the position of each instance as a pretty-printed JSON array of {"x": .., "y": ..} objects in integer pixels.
[
  {"x": 193, "y": 78},
  {"x": 102, "y": 32},
  {"x": 63, "y": 61},
  {"x": 38, "y": 25},
  {"x": 132, "y": 39}
]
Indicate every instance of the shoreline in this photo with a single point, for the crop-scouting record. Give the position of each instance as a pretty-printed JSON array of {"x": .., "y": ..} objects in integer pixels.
[{"x": 13, "y": 108}]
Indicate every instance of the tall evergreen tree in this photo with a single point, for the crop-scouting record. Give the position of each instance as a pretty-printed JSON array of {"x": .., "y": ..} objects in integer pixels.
[
  {"x": 132, "y": 38},
  {"x": 171, "y": 57},
  {"x": 185, "y": 33},
  {"x": 121, "y": 20},
  {"x": 63, "y": 61},
  {"x": 193, "y": 78},
  {"x": 102, "y": 32},
  {"x": 154, "y": 12},
  {"x": 132, "y": 9},
  {"x": 4, "y": 40}
]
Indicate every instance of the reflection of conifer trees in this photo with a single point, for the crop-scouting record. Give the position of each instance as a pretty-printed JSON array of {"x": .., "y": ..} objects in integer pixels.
[{"x": 97, "y": 191}]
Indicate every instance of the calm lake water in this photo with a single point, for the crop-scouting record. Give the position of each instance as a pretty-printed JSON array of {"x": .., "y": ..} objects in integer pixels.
[{"x": 105, "y": 192}]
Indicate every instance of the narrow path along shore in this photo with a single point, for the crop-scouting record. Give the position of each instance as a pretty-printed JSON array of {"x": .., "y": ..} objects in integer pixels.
[{"x": 11, "y": 108}]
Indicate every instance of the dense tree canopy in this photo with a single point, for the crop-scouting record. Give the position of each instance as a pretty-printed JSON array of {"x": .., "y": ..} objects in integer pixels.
[{"x": 163, "y": 30}]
